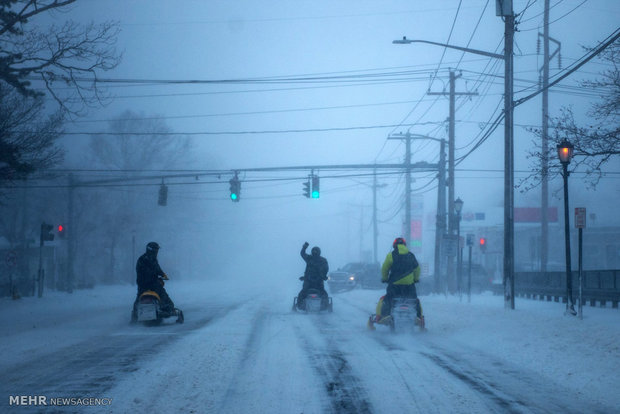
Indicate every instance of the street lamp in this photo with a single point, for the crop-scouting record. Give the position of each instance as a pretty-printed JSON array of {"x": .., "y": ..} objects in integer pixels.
[
  {"x": 505, "y": 10},
  {"x": 458, "y": 207},
  {"x": 565, "y": 153}
]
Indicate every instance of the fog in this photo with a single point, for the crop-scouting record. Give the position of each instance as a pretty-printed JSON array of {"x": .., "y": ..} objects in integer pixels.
[
  {"x": 350, "y": 89},
  {"x": 272, "y": 93}
]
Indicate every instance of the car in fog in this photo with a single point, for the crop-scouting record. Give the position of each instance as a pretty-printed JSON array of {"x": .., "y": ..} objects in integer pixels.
[
  {"x": 341, "y": 280},
  {"x": 481, "y": 279},
  {"x": 366, "y": 275}
]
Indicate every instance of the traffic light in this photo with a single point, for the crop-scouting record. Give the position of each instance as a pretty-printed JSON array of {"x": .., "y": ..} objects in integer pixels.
[
  {"x": 483, "y": 244},
  {"x": 315, "y": 186},
  {"x": 62, "y": 231},
  {"x": 162, "y": 200},
  {"x": 235, "y": 189},
  {"x": 307, "y": 187},
  {"x": 46, "y": 234}
]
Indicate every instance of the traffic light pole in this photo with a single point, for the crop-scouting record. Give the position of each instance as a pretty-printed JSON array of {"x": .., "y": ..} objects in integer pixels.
[{"x": 71, "y": 236}]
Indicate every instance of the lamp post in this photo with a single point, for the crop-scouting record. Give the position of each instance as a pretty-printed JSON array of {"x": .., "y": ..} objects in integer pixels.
[
  {"x": 565, "y": 153},
  {"x": 458, "y": 206},
  {"x": 506, "y": 12}
]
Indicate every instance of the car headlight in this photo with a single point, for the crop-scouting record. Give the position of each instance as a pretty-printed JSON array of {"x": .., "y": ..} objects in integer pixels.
[{"x": 351, "y": 277}]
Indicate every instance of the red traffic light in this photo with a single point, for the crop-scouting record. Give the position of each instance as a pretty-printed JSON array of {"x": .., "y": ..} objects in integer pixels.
[
  {"x": 60, "y": 228},
  {"x": 483, "y": 241}
]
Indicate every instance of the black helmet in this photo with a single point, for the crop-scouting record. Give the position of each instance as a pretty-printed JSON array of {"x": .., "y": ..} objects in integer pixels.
[
  {"x": 152, "y": 247},
  {"x": 316, "y": 251},
  {"x": 399, "y": 240}
]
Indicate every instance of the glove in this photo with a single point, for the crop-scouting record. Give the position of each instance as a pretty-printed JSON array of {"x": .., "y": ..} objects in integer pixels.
[{"x": 306, "y": 244}]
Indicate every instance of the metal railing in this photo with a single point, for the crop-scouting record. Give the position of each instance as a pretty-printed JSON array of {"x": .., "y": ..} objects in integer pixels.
[{"x": 599, "y": 286}]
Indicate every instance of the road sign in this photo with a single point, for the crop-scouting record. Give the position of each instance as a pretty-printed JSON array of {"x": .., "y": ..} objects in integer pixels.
[
  {"x": 450, "y": 244},
  {"x": 470, "y": 239},
  {"x": 11, "y": 258},
  {"x": 580, "y": 217}
]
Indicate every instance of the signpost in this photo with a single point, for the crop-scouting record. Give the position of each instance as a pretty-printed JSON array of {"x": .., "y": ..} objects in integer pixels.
[
  {"x": 580, "y": 223},
  {"x": 470, "y": 243},
  {"x": 11, "y": 262}
]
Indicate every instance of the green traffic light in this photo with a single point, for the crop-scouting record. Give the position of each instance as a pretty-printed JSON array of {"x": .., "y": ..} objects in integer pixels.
[
  {"x": 315, "y": 194},
  {"x": 233, "y": 196}
]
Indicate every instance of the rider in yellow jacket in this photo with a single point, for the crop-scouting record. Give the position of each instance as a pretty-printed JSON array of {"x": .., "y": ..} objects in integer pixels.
[{"x": 400, "y": 271}]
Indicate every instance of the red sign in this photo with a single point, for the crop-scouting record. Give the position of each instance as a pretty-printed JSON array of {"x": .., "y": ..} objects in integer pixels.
[
  {"x": 534, "y": 214},
  {"x": 580, "y": 217}
]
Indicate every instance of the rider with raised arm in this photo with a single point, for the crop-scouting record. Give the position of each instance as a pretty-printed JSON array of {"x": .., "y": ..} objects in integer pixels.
[{"x": 314, "y": 275}]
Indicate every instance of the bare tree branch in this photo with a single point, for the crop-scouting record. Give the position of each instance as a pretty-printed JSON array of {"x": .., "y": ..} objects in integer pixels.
[
  {"x": 66, "y": 59},
  {"x": 596, "y": 143}
]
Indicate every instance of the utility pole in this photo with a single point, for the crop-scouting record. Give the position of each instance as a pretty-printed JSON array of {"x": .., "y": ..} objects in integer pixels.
[
  {"x": 440, "y": 225},
  {"x": 503, "y": 9},
  {"x": 509, "y": 267},
  {"x": 451, "y": 150},
  {"x": 375, "y": 231},
  {"x": 544, "y": 231},
  {"x": 451, "y": 141},
  {"x": 408, "y": 188},
  {"x": 544, "y": 205},
  {"x": 407, "y": 164}
]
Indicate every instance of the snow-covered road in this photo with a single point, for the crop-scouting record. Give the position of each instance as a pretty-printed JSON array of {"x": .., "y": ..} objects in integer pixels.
[{"x": 242, "y": 352}]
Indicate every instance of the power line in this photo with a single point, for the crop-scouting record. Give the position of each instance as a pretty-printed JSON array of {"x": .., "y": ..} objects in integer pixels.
[
  {"x": 585, "y": 59},
  {"x": 275, "y": 131}
]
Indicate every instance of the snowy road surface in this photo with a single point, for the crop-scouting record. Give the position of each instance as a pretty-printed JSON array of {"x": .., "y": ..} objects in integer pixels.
[{"x": 246, "y": 352}]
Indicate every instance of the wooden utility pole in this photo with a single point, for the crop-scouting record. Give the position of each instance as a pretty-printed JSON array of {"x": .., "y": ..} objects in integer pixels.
[
  {"x": 451, "y": 162},
  {"x": 544, "y": 204}
]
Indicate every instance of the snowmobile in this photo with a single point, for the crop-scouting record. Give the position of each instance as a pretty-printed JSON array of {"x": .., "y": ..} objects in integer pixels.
[
  {"x": 402, "y": 318},
  {"x": 313, "y": 303},
  {"x": 150, "y": 312}
]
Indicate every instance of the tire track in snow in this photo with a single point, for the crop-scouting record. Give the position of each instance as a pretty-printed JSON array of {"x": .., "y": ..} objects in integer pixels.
[
  {"x": 345, "y": 391},
  {"x": 91, "y": 367},
  {"x": 510, "y": 389}
]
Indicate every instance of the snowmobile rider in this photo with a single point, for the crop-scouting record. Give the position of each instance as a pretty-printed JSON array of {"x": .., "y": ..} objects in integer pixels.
[
  {"x": 400, "y": 271},
  {"x": 314, "y": 275},
  {"x": 148, "y": 274}
]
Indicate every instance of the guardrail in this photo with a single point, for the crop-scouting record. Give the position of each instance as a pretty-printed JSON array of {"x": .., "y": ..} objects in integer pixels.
[{"x": 599, "y": 286}]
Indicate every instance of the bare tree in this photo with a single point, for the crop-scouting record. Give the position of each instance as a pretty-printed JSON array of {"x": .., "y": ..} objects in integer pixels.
[
  {"x": 66, "y": 58},
  {"x": 27, "y": 137},
  {"x": 138, "y": 142},
  {"x": 134, "y": 143},
  {"x": 598, "y": 141}
]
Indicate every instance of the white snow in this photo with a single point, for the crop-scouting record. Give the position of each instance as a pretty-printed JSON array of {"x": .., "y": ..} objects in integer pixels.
[{"x": 258, "y": 356}]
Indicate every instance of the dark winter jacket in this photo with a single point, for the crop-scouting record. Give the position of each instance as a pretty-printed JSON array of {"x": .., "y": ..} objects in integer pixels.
[
  {"x": 400, "y": 267},
  {"x": 148, "y": 272},
  {"x": 316, "y": 267}
]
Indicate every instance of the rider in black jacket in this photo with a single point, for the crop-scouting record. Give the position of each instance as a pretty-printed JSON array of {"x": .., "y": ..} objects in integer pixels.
[
  {"x": 314, "y": 275},
  {"x": 150, "y": 276}
]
